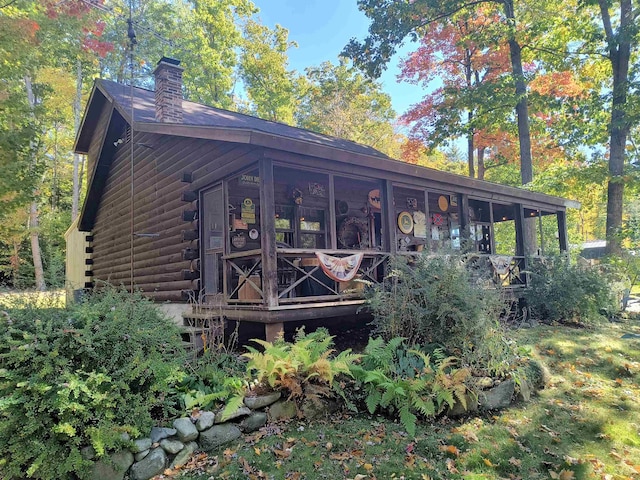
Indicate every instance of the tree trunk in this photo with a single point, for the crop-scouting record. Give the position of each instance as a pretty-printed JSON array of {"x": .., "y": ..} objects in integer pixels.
[
  {"x": 75, "y": 201},
  {"x": 522, "y": 114},
  {"x": 619, "y": 46},
  {"x": 522, "y": 108},
  {"x": 35, "y": 247},
  {"x": 33, "y": 210},
  {"x": 470, "y": 150},
  {"x": 481, "y": 169}
]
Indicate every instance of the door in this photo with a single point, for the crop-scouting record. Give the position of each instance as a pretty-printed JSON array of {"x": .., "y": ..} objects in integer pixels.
[{"x": 213, "y": 226}]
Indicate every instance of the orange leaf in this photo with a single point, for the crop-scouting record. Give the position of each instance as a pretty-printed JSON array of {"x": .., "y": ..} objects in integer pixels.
[
  {"x": 451, "y": 449},
  {"x": 368, "y": 467}
]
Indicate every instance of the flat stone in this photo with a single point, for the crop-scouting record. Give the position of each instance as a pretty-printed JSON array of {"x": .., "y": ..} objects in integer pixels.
[
  {"x": 524, "y": 391},
  {"x": 140, "y": 455},
  {"x": 185, "y": 429},
  {"x": 205, "y": 420},
  {"x": 218, "y": 435},
  {"x": 282, "y": 410},
  {"x": 150, "y": 466},
  {"x": 253, "y": 422},
  {"x": 240, "y": 412},
  {"x": 114, "y": 467},
  {"x": 458, "y": 409},
  {"x": 484, "y": 382},
  {"x": 322, "y": 408},
  {"x": 171, "y": 446},
  {"x": 184, "y": 455},
  {"x": 498, "y": 397},
  {"x": 141, "y": 444},
  {"x": 261, "y": 401},
  {"x": 160, "y": 433}
]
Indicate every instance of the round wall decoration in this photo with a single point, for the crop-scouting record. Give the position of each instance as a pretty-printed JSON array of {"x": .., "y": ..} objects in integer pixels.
[
  {"x": 405, "y": 222},
  {"x": 443, "y": 203},
  {"x": 374, "y": 199},
  {"x": 253, "y": 234},
  {"x": 239, "y": 240},
  {"x": 354, "y": 233}
]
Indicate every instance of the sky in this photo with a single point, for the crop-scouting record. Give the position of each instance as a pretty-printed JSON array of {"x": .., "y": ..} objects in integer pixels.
[{"x": 322, "y": 28}]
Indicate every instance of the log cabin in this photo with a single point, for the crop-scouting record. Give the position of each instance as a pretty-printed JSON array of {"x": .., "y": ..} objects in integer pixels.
[{"x": 259, "y": 221}]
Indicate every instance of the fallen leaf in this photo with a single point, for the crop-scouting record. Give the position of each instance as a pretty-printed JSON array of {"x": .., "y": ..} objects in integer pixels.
[
  {"x": 257, "y": 451},
  {"x": 451, "y": 465},
  {"x": 450, "y": 449},
  {"x": 515, "y": 462},
  {"x": 368, "y": 467},
  {"x": 329, "y": 446},
  {"x": 488, "y": 462}
]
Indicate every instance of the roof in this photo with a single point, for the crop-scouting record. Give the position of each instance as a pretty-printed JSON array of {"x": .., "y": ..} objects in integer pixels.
[
  {"x": 196, "y": 114},
  {"x": 201, "y": 121}
]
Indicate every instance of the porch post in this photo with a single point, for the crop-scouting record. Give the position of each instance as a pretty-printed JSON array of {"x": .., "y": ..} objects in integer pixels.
[
  {"x": 389, "y": 217},
  {"x": 268, "y": 236},
  {"x": 519, "y": 221},
  {"x": 563, "y": 237},
  {"x": 463, "y": 214}
]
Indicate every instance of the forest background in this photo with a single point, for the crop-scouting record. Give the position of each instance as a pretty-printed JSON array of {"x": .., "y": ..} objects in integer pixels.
[{"x": 533, "y": 93}]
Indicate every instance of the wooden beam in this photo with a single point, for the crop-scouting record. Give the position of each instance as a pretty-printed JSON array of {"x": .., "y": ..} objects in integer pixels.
[
  {"x": 389, "y": 218},
  {"x": 519, "y": 221},
  {"x": 463, "y": 215},
  {"x": 268, "y": 234},
  {"x": 563, "y": 237}
]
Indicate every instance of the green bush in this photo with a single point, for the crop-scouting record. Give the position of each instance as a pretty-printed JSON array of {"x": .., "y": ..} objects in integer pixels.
[
  {"x": 433, "y": 300},
  {"x": 78, "y": 377},
  {"x": 565, "y": 291}
]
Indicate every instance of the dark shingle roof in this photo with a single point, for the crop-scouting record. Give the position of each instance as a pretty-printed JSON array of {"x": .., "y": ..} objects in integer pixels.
[{"x": 204, "y": 116}]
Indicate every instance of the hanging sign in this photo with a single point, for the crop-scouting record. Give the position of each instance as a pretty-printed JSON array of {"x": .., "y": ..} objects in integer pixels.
[
  {"x": 438, "y": 219},
  {"x": 249, "y": 180},
  {"x": 248, "y": 210},
  {"x": 443, "y": 203},
  {"x": 239, "y": 240},
  {"x": 420, "y": 225}
]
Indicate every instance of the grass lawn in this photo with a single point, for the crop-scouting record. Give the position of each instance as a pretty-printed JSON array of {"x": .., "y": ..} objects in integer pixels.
[{"x": 584, "y": 425}]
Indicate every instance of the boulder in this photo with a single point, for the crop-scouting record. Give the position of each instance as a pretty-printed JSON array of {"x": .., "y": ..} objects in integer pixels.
[
  {"x": 159, "y": 433},
  {"x": 497, "y": 397},
  {"x": 261, "y": 401},
  {"x": 218, "y": 435},
  {"x": 140, "y": 455},
  {"x": 282, "y": 410},
  {"x": 320, "y": 408},
  {"x": 150, "y": 466},
  {"x": 524, "y": 391},
  {"x": 141, "y": 445},
  {"x": 205, "y": 420},
  {"x": 171, "y": 446},
  {"x": 112, "y": 468},
  {"x": 253, "y": 422},
  {"x": 240, "y": 412},
  {"x": 184, "y": 455},
  {"x": 185, "y": 429},
  {"x": 458, "y": 409}
]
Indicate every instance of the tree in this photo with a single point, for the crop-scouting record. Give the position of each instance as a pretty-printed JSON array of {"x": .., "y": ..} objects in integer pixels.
[
  {"x": 472, "y": 96},
  {"x": 392, "y": 22},
  {"x": 339, "y": 101},
  {"x": 271, "y": 88},
  {"x": 621, "y": 40}
]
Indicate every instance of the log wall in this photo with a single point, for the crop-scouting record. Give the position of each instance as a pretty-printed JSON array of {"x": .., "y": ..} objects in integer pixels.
[{"x": 168, "y": 173}]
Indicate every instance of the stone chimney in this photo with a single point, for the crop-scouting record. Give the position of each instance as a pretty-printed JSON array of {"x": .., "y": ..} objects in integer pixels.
[{"x": 168, "y": 75}]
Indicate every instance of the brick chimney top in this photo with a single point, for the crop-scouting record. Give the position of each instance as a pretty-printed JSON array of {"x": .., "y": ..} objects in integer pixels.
[{"x": 168, "y": 76}]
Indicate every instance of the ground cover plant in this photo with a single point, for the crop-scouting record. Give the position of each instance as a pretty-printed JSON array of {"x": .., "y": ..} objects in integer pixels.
[
  {"x": 78, "y": 377},
  {"x": 583, "y": 425}
]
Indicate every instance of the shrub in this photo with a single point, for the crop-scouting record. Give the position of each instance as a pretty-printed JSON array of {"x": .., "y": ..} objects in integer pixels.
[
  {"x": 81, "y": 376},
  {"x": 433, "y": 300},
  {"x": 566, "y": 291}
]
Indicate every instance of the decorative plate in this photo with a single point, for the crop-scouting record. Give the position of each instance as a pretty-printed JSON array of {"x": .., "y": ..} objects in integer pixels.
[{"x": 405, "y": 222}]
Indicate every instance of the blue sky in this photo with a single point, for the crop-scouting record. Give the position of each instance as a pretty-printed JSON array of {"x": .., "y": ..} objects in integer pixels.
[{"x": 322, "y": 28}]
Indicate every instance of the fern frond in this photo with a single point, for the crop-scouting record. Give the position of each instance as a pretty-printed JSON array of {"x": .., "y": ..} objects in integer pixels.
[
  {"x": 408, "y": 420},
  {"x": 233, "y": 404}
]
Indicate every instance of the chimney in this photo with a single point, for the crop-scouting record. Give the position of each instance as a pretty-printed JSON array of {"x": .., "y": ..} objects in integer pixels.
[{"x": 168, "y": 75}]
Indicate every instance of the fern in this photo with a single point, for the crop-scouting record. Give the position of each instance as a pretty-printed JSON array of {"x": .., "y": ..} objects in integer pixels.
[
  {"x": 408, "y": 420},
  {"x": 232, "y": 405}
]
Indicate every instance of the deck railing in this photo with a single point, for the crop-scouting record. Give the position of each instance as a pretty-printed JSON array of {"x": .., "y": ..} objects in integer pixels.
[{"x": 300, "y": 278}]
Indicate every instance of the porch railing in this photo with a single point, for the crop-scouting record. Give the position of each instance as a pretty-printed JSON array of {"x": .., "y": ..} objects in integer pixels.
[{"x": 300, "y": 278}]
